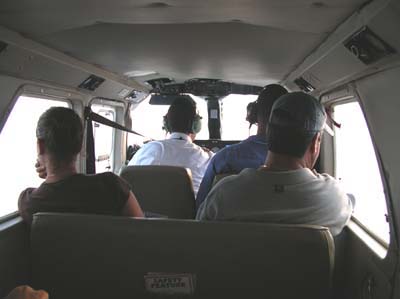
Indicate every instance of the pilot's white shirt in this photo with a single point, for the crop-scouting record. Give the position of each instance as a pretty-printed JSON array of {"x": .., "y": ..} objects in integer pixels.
[{"x": 177, "y": 150}]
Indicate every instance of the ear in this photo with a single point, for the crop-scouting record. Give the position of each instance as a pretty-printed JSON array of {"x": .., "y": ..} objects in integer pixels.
[
  {"x": 315, "y": 143},
  {"x": 40, "y": 146}
]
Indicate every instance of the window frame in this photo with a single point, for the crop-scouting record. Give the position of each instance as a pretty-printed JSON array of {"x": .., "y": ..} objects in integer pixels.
[
  {"x": 118, "y": 137},
  {"x": 369, "y": 236},
  {"x": 113, "y": 111},
  {"x": 75, "y": 101},
  {"x": 20, "y": 93}
]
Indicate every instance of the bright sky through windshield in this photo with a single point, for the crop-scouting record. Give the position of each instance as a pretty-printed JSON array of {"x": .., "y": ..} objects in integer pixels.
[{"x": 148, "y": 119}]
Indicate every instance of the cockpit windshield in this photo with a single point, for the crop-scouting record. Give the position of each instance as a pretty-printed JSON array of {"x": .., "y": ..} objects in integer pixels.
[{"x": 149, "y": 118}]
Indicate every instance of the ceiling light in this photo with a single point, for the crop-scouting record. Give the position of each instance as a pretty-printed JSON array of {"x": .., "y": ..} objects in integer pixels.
[{"x": 140, "y": 73}]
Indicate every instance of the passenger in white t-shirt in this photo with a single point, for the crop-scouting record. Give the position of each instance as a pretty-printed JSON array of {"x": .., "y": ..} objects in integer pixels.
[
  {"x": 285, "y": 189},
  {"x": 183, "y": 122}
]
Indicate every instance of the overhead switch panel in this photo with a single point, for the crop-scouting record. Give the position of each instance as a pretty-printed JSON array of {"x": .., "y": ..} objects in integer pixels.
[
  {"x": 91, "y": 83},
  {"x": 304, "y": 85},
  {"x": 368, "y": 47}
]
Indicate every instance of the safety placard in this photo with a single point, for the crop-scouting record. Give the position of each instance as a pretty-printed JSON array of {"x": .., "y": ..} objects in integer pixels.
[{"x": 170, "y": 283}]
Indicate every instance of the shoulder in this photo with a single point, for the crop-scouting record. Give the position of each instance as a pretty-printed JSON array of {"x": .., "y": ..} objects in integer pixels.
[
  {"x": 25, "y": 196},
  {"x": 327, "y": 179},
  {"x": 107, "y": 177},
  {"x": 199, "y": 148},
  {"x": 225, "y": 196},
  {"x": 23, "y": 202},
  {"x": 229, "y": 149},
  {"x": 219, "y": 156},
  {"x": 104, "y": 176},
  {"x": 204, "y": 155},
  {"x": 235, "y": 182},
  {"x": 333, "y": 189},
  {"x": 148, "y": 153},
  {"x": 237, "y": 147},
  {"x": 113, "y": 184},
  {"x": 152, "y": 146}
]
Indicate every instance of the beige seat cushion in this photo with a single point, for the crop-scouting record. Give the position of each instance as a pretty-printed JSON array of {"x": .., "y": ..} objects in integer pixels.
[{"x": 165, "y": 190}]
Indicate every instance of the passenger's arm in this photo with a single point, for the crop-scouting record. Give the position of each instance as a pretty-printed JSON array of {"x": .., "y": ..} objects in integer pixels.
[
  {"x": 206, "y": 183},
  {"x": 208, "y": 210},
  {"x": 23, "y": 205},
  {"x": 132, "y": 207},
  {"x": 216, "y": 166}
]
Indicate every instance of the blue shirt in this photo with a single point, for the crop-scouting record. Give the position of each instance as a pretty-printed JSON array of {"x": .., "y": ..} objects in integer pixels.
[{"x": 250, "y": 153}]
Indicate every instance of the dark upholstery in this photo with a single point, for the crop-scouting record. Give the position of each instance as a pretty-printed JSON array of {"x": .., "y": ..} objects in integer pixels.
[
  {"x": 14, "y": 254},
  {"x": 165, "y": 190},
  {"x": 87, "y": 256}
]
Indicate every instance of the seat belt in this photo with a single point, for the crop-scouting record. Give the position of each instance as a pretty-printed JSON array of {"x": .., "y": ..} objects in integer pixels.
[
  {"x": 91, "y": 116},
  {"x": 90, "y": 154}
]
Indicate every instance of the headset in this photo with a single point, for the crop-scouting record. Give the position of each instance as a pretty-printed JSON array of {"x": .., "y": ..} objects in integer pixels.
[
  {"x": 195, "y": 126},
  {"x": 252, "y": 112}
]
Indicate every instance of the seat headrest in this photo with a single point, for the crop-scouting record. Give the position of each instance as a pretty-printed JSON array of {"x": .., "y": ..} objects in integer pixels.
[{"x": 87, "y": 256}]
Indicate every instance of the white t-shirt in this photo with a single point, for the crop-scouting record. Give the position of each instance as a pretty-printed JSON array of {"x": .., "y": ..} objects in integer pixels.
[
  {"x": 177, "y": 150},
  {"x": 292, "y": 197}
]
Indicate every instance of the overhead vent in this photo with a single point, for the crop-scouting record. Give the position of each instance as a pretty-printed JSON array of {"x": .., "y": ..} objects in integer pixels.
[
  {"x": 368, "y": 47},
  {"x": 91, "y": 83},
  {"x": 159, "y": 83},
  {"x": 157, "y": 5},
  {"x": 136, "y": 96},
  {"x": 304, "y": 85},
  {"x": 3, "y": 46}
]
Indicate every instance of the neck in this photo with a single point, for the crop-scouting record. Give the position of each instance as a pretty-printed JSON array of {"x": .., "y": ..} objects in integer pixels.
[
  {"x": 282, "y": 162},
  {"x": 192, "y": 136},
  {"x": 57, "y": 171},
  {"x": 261, "y": 130}
]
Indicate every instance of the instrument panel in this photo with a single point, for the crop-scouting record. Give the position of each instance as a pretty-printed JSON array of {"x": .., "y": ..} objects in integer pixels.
[{"x": 215, "y": 145}]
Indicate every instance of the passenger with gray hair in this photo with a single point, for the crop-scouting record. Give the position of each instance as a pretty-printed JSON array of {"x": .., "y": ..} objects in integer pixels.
[
  {"x": 59, "y": 135},
  {"x": 285, "y": 189}
]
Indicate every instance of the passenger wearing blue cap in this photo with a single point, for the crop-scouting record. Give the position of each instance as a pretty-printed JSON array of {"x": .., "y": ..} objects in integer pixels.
[{"x": 285, "y": 189}]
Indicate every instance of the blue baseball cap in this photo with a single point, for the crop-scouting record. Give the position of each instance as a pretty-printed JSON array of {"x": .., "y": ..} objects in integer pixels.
[{"x": 298, "y": 112}]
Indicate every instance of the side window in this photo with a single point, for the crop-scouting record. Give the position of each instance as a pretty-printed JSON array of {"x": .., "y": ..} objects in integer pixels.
[
  {"x": 18, "y": 149},
  {"x": 103, "y": 139},
  {"x": 233, "y": 122},
  {"x": 357, "y": 169}
]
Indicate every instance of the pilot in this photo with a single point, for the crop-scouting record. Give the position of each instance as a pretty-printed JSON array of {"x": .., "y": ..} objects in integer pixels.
[
  {"x": 249, "y": 153},
  {"x": 285, "y": 189},
  {"x": 183, "y": 123},
  {"x": 59, "y": 135}
]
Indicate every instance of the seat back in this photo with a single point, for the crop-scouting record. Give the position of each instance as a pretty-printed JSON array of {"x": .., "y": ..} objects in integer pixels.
[
  {"x": 165, "y": 190},
  {"x": 87, "y": 256}
]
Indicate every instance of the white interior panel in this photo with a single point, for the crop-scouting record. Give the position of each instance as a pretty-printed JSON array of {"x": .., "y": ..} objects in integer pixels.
[
  {"x": 379, "y": 95},
  {"x": 245, "y": 41}
]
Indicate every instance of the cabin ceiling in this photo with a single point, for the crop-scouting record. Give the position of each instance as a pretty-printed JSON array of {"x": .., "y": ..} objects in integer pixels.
[{"x": 244, "y": 41}]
